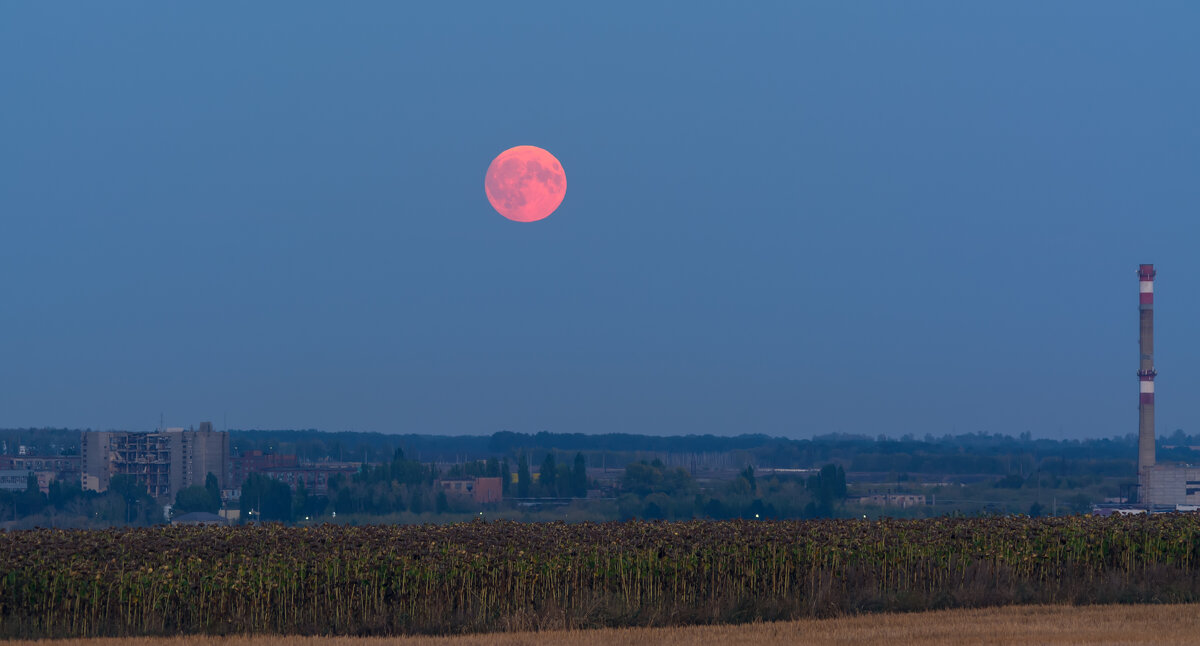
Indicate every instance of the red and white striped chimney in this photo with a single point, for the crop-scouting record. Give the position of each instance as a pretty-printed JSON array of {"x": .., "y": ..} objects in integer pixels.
[{"x": 1146, "y": 371}]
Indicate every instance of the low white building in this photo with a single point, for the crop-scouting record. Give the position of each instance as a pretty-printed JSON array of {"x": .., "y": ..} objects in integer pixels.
[
  {"x": 1166, "y": 485},
  {"x": 902, "y": 500}
]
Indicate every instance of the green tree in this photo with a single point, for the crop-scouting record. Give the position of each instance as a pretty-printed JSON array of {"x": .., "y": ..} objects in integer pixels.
[
  {"x": 344, "y": 502},
  {"x": 748, "y": 474},
  {"x": 653, "y": 509},
  {"x": 714, "y": 509},
  {"x": 8, "y": 509},
  {"x": 213, "y": 489},
  {"x": 756, "y": 510},
  {"x": 194, "y": 498},
  {"x": 300, "y": 501},
  {"x": 31, "y": 500},
  {"x": 127, "y": 487},
  {"x": 1010, "y": 481},
  {"x": 523, "y": 477},
  {"x": 827, "y": 487},
  {"x": 579, "y": 477},
  {"x": 55, "y": 497},
  {"x": 642, "y": 478},
  {"x": 139, "y": 507},
  {"x": 547, "y": 476},
  {"x": 267, "y": 498}
]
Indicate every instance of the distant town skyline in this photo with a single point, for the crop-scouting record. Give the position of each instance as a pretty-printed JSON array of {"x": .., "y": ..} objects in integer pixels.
[{"x": 783, "y": 218}]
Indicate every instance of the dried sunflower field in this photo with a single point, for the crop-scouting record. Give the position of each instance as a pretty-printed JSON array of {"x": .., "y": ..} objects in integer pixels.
[{"x": 506, "y": 576}]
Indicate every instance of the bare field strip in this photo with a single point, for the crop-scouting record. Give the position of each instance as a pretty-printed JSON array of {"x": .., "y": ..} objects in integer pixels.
[{"x": 1058, "y": 625}]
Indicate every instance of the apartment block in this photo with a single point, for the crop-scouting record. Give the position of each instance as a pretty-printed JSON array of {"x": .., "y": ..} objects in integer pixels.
[{"x": 163, "y": 461}]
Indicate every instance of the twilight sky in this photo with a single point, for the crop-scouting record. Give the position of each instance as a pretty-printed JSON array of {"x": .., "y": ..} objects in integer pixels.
[{"x": 789, "y": 218}]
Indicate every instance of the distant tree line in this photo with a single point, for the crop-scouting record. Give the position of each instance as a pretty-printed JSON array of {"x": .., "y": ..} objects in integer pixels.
[
  {"x": 68, "y": 505},
  {"x": 349, "y": 446},
  {"x": 554, "y": 465},
  {"x": 554, "y": 480},
  {"x": 654, "y": 491},
  {"x": 982, "y": 453}
]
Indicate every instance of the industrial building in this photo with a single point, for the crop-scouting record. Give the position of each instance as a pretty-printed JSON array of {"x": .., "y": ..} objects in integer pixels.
[
  {"x": 1160, "y": 486},
  {"x": 901, "y": 500},
  {"x": 15, "y": 470},
  {"x": 241, "y": 466},
  {"x": 164, "y": 461},
  {"x": 15, "y": 479},
  {"x": 481, "y": 490},
  {"x": 314, "y": 477}
]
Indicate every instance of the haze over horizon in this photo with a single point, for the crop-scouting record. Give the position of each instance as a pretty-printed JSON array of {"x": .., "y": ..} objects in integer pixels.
[{"x": 785, "y": 218}]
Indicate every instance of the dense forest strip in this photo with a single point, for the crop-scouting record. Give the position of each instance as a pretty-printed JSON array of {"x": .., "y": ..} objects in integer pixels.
[
  {"x": 966, "y": 453},
  {"x": 478, "y": 577}
]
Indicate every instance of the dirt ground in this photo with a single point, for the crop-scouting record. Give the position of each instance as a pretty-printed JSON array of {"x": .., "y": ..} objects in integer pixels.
[{"x": 1059, "y": 625}]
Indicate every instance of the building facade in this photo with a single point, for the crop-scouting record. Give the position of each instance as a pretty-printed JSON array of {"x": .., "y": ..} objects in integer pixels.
[
  {"x": 481, "y": 490},
  {"x": 314, "y": 477},
  {"x": 257, "y": 461},
  {"x": 48, "y": 468},
  {"x": 164, "y": 461},
  {"x": 1167, "y": 485},
  {"x": 902, "y": 500},
  {"x": 52, "y": 463},
  {"x": 15, "y": 479}
]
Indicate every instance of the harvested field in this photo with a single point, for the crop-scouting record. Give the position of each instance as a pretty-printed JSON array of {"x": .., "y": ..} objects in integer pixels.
[{"x": 1167, "y": 625}]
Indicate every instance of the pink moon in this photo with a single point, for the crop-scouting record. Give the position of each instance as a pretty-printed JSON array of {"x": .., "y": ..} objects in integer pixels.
[{"x": 525, "y": 183}]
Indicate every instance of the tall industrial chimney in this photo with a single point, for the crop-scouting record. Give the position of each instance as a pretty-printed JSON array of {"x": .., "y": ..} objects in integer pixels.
[{"x": 1146, "y": 373}]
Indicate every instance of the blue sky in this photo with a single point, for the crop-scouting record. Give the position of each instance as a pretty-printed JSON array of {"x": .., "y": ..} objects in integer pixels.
[{"x": 788, "y": 218}]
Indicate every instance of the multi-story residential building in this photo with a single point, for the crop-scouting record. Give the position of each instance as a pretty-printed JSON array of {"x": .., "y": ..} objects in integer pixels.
[{"x": 163, "y": 461}]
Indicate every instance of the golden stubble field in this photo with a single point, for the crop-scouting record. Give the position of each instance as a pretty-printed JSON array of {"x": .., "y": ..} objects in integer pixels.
[{"x": 1058, "y": 625}]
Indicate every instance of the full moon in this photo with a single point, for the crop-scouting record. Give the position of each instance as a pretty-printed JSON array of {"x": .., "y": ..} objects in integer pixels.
[{"x": 525, "y": 183}]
